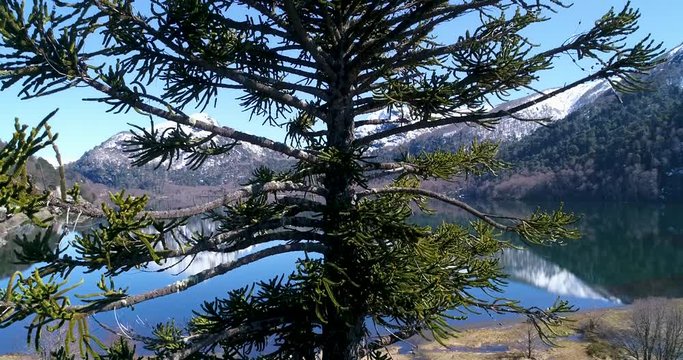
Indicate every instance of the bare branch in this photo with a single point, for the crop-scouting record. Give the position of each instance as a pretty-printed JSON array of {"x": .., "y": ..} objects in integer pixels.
[
  {"x": 60, "y": 167},
  {"x": 22, "y": 71},
  {"x": 399, "y": 120},
  {"x": 390, "y": 339},
  {"x": 392, "y": 167}
]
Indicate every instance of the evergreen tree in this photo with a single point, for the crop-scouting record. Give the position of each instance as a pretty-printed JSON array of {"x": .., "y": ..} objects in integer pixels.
[{"x": 316, "y": 67}]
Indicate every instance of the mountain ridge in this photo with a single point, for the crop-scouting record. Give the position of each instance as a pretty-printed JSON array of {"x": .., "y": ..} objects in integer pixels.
[{"x": 107, "y": 163}]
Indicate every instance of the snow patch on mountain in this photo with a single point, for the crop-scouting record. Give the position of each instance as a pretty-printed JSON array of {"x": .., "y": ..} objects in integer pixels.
[
  {"x": 391, "y": 141},
  {"x": 558, "y": 106},
  {"x": 675, "y": 51},
  {"x": 399, "y": 139},
  {"x": 526, "y": 121},
  {"x": 254, "y": 149},
  {"x": 111, "y": 151}
]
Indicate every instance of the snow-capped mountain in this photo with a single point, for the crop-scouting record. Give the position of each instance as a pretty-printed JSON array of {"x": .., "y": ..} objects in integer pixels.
[
  {"x": 513, "y": 127},
  {"x": 671, "y": 71},
  {"x": 108, "y": 164},
  {"x": 394, "y": 140}
]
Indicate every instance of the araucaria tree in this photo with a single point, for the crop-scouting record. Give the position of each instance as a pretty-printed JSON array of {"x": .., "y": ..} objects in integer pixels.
[{"x": 316, "y": 68}]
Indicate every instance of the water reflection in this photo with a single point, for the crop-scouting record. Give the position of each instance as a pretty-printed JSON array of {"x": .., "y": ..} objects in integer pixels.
[
  {"x": 525, "y": 266},
  {"x": 632, "y": 251},
  {"x": 191, "y": 265},
  {"x": 628, "y": 252},
  {"x": 8, "y": 246}
]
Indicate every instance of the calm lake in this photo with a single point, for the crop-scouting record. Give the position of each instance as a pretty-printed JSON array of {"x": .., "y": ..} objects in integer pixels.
[{"x": 628, "y": 251}]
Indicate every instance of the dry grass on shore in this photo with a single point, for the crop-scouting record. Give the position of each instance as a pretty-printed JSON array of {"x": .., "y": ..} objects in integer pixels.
[{"x": 510, "y": 341}]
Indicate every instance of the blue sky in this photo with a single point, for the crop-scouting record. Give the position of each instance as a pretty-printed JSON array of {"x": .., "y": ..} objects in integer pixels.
[{"x": 83, "y": 125}]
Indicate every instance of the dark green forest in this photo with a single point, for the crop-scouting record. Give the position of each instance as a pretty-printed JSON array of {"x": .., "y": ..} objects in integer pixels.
[{"x": 618, "y": 148}]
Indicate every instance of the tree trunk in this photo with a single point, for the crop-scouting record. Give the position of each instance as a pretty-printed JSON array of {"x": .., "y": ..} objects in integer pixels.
[
  {"x": 344, "y": 331},
  {"x": 346, "y": 343}
]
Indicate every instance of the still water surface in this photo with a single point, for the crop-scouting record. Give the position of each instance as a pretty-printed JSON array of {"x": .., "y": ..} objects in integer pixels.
[{"x": 628, "y": 251}]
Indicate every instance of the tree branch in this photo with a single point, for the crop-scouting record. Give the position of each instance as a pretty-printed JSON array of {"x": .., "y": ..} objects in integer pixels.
[
  {"x": 308, "y": 44},
  {"x": 239, "y": 77},
  {"x": 200, "y": 277},
  {"x": 89, "y": 210},
  {"x": 202, "y": 341},
  {"x": 233, "y": 241},
  {"x": 390, "y": 166},
  {"x": 473, "y": 118},
  {"x": 387, "y": 340},
  {"x": 206, "y": 126},
  {"x": 411, "y": 18},
  {"x": 440, "y": 197}
]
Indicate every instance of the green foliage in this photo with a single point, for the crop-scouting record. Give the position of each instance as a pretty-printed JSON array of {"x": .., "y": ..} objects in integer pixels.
[
  {"x": 47, "y": 302},
  {"x": 548, "y": 228},
  {"x": 108, "y": 293},
  {"x": 168, "y": 145},
  {"x": 413, "y": 270},
  {"x": 252, "y": 314},
  {"x": 332, "y": 159},
  {"x": 168, "y": 338},
  {"x": 257, "y": 209},
  {"x": 17, "y": 192},
  {"x": 116, "y": 244},
  {"x": 61, "y": 354},
  {"x": 56, "y": 60},
  {"x": 477, "y": 159},
  {"x": 300, "y": 128},
  {"x": 629, "y": 150},
  {"x": 75, "y": 192},
  {"x": 121, "y": 350}
]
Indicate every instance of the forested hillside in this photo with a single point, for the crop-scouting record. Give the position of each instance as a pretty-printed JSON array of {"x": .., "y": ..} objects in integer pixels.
[{"x": 627, "y": 148}]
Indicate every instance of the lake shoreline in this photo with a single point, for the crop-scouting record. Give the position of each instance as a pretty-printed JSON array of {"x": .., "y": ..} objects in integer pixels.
[{"x": 588, "y": 334}]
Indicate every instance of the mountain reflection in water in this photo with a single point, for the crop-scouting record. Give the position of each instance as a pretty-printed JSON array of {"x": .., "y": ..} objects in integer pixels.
[
  {"x": 525, "y": 266},
  {"x": 628, "y": 251}
]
